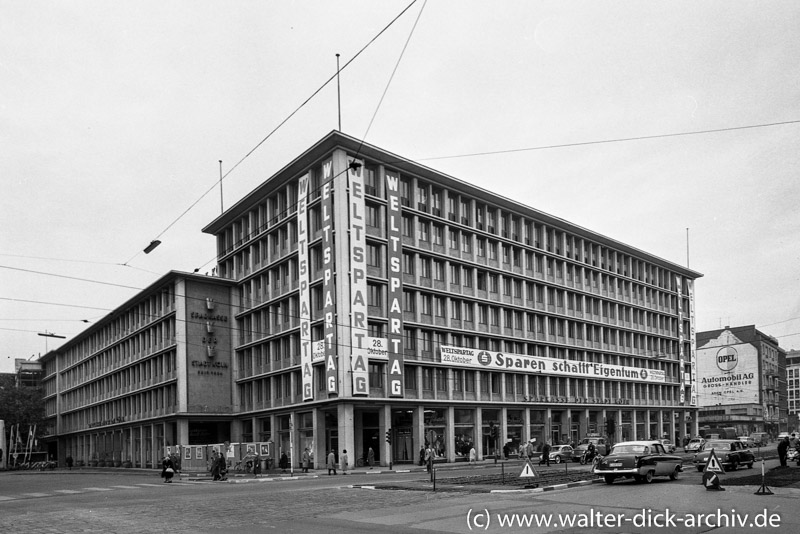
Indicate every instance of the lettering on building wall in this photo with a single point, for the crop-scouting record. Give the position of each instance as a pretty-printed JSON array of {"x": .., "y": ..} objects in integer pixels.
[
  {"x": 484, "y": 359},
  {"x": 304, "y": 291},
  {"x": 358, "y": 281},
  {"x": 395, "y": 291},
  {"x": 328, "y": 281}
]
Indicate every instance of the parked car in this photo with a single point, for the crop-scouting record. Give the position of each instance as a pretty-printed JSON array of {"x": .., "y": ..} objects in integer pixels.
[
  {"x": 561, "y": 453},
  {"x": 731, "y": 453},
  {"x": 748, "y": 441},
  {"x": 640, "y": 460},
  {"x": 668, "y": 445},
  {"x": 600, "y": 446},
  {"x": 694, "y": 445}
]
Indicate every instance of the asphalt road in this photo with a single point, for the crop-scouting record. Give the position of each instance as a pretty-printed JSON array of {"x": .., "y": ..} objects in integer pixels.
[{"x": 132, "y": 501}]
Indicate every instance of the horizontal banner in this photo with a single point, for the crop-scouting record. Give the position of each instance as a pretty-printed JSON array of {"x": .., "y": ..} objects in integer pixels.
[{"x": 484, "y": 359}]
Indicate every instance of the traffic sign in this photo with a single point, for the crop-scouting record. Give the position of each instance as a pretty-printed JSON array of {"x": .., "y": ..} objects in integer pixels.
[
  {"x": 527, "y": 471},
  {"x": 713, "y": 464}
]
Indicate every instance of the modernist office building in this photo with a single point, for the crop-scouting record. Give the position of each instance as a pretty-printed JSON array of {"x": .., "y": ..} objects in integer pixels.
[
  {"x": 375, "y": 302},
  {"x": 793, "y": 388},
  {"x": 742, "y": 380}
]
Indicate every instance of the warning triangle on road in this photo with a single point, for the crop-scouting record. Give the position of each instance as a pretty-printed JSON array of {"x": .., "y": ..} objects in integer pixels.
[
  {"x": 713, "y": 464},
  {"x": 527, "y": 471}
]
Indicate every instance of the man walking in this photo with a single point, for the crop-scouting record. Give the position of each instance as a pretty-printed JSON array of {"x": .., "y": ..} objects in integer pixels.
[
  {"x": 783, "y": 446},
  {"x": 545, "y": 454}
]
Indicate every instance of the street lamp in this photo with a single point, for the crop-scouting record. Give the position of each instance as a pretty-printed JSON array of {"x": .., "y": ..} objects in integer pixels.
[
  {"x": 47, "y": 334},
  {"x": 153, "y": 244}
]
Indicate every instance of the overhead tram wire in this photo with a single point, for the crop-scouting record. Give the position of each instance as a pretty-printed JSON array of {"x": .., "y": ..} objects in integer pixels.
[
  {"x": 617, "y": 140},
  {"x": 284, "y": 121},
  {"x": 391, "y": 77}
]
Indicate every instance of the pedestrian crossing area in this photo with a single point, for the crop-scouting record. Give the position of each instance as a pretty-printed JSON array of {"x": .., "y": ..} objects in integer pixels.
[{"x": 80, "y": 491}]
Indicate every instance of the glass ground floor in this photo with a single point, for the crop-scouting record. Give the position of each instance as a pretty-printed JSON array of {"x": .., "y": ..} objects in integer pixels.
[{"x": 397, "y": 433}]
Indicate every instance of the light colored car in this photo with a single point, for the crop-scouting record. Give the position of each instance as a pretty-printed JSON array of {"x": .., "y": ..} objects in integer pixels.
[
  {"x": 640, "y": 460},
  {"x": 694, "y": 445},
  {"x": 668, "y": 445},
  {"x": 561, "y": 453},
  {"x": 748, "y": 441}
]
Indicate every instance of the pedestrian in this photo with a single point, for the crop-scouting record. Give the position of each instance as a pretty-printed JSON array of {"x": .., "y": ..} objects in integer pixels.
[
  {"x": 783, "y": 446},
  {"x": 505, "y": 451},
  {"x": 370, "y": 457},
  {"x": 256, "y": 465},
  {"x": 167, "y": 469},
  {"x": 473, "y": 456},
  {"x": 422, "y": 455},
  {"x": 284, "y": 462},
  {"x": 343, "y": 461},
  {"x": 306, "y": 460},
  {"x": 332, "y": 462},
  {"x": 68, "y": 460},
  {"x": 215, "y": 466},
  {"x": 545, "y": 454},
  {"x": 429, "y": 458},
  {"x": 793, "y": 441}
]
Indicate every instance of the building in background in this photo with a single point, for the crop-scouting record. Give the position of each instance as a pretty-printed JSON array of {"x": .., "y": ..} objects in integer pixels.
[
  {"x": 363, "y": 301},
  {"x": 742, "y": 380},
  {"x": 793, "y": 388},
  {"x": 155, "y": 372}
]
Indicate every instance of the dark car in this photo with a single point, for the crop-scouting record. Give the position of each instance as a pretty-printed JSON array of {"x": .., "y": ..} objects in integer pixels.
[
  {"x": 731, "y": 453},
  {"x": 640, "y": 460},
  {"x": 600, "y": 446}
]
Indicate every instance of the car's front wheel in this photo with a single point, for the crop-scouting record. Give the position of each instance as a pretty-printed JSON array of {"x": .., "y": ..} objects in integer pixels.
[
  {"x": 648, "y": 477},
  {"x": 700, "y": 468},
  {"x": 558, "y": 459}
]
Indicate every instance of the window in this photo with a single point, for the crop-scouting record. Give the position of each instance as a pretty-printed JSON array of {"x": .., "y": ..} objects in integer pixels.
[
  {"x": 438, "y": 270},
  {"x": 425, "y": 267},
  {"x": 374, "y": 295},
  {"x": 427, "y": 379},
  {"x": 408, "y": 263},
  {"x": 426, "y": 304},
  {"x": 453, "y": 239},
  {"x": 438, "y": 234},
  {"x": 441, "y": 379},
  {"x": 481, "y": 246},
  {"x": 467, "y": 276},
  {"x": 424, "y": 230},
  {"x": 455, "y": 309},
  {"x": 373, "y": 216},
  {"x": 455, "y": 274},
  {"x": 373, "y": 256},
  {"x": 466, "y": 243},
  {"x": 409, "y": 301},
  {"x": 376, "y": 374},
  {"x": 408, "y": 226}
]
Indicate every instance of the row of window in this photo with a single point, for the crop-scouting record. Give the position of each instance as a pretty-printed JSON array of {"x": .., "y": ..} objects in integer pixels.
[{"x": 150, "y": 403}]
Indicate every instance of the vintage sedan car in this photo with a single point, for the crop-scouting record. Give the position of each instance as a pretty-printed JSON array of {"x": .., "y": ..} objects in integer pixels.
[
  {"x": 694, "y": 445},
  {"x": 561, "y": 453},
  {"x": 731, "y": 453},
  {"x": 600, "y": 446},
  {"x": 640, "y": 460},
  {"x": 748, "y": 441}
]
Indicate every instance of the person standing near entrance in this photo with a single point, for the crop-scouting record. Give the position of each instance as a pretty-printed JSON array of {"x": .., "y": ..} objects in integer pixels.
[
  {"x": 370, "y": 457},
  {"x": 332, "y": 462},
  {"x": 343, "y": 461},
  {"x": 306, "y": 460}
]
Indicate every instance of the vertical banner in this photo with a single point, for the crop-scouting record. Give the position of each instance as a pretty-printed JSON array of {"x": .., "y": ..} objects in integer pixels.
[
  {"x": 681, "y": 362},
  {"x": 305, "y": 293},
  {"x": 358, "y": 281},
  {"x": 692, "y": 344},
  {"x": 3, "y": 445},
  {"x": 394, "y": 275},
  {"x": 328, "y": 282}
]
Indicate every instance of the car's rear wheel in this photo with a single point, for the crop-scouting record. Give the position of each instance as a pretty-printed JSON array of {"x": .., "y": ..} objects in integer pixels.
[
  {"x": 734, "y": 465},
  {"x": 750, "y": 465},
  {"x": 676, "y": 473},
  {"x": 700, "y": 468},
  {"x": 609, "y": 479},
  {"x": 558, "y": 459}
]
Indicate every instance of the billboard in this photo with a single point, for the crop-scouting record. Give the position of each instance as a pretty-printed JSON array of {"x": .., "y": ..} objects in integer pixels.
[{"x": 727, "y": 373}]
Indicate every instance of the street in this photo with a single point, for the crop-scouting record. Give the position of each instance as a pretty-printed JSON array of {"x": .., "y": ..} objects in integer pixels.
[{"x": 128, "y": 501}]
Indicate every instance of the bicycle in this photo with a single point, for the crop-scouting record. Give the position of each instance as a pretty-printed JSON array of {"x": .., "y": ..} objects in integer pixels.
[{"x": 245, "y": 465}]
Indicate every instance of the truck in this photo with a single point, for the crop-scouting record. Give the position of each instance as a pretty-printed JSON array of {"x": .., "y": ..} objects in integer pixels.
[{"x": 719, "y": 433}]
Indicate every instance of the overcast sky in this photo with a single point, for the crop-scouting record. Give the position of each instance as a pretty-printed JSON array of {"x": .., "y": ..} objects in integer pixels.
[{"x": 113, "y": 116}]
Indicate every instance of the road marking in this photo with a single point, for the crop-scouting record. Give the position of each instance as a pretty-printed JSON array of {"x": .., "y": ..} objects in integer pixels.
[
  {"x": 98, "y": 489},
  {"x": 34, "y": 494},
  {"x": 126, "y": 487},
  {"x": 67, "y": 491},
  {"x": 7, "y": 498}
]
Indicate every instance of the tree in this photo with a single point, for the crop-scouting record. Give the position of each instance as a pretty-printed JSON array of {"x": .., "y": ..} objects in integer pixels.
[{"x": 22, "y": 406}]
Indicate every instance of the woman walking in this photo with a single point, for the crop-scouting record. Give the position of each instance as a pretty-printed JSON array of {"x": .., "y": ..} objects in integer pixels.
[{"x": 167, "y": 469}]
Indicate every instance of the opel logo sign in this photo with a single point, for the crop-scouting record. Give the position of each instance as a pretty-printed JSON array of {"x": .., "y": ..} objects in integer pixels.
[{"x": 727, "y": 358}]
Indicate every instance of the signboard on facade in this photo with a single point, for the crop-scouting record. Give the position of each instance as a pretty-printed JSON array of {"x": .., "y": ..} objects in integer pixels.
[
  {"x": 304, "y": 290},
  {"x": 328, "y": 282},
  {"x": 728, "y": 372},
  {"x": 395, "y": 290},
  {"x": 358, "y": 281},
  {"x": 499, "y": 361}
]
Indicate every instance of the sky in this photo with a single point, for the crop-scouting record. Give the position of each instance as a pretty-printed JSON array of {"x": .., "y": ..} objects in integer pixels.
[{"x": 114, "y": 117}]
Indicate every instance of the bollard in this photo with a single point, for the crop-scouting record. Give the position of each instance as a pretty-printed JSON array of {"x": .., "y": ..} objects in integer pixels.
[{"x": 433, "y": 473}]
